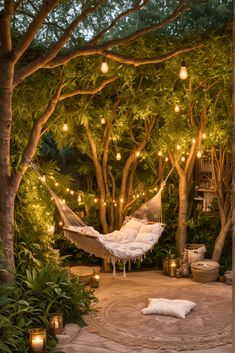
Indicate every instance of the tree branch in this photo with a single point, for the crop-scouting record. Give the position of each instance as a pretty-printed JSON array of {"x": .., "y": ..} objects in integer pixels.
[
  {"x": 34, "y": 137},
  {"x": 54, "y": 50},
  {"x": 5, "y": 28},
  {"x": 135, "y": 8},
  {"x": 34, "y": 26},
  {"x": 88, "y": 91}
]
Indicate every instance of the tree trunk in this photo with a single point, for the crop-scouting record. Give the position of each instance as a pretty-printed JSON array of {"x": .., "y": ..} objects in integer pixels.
[
  {"x": 181, "y": 234},
  {"x": 6, "y": 195},
  {"x": 219, "y": 244}
]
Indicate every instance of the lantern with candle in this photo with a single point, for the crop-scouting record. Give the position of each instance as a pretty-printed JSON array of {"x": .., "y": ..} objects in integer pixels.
[
  {"x": 95, "y": 280},
  {"x": 56, "y": 323},
  {"x": 172, "y": 266},
  {"x": 37, "y": 340}
]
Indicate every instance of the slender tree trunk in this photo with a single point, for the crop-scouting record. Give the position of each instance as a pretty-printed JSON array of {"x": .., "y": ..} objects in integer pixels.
[
  {"x": 6, "y": 195},
  {"x": 181, "y": 234},
  {"x": 219, "y": 244}
]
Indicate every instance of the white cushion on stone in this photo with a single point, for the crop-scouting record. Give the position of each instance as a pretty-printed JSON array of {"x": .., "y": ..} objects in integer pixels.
[{"x": 177, "y": 308}]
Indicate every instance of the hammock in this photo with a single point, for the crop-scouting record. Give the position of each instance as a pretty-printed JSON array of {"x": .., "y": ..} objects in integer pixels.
[{"x": 138, "y": 235}]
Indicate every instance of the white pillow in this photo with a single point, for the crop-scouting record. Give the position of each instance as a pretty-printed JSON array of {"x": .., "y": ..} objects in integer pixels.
[
  {"x": 146, "y": 237},
  {"x": 132, "y": 224},
  {"x": 156, "y": 228},
  {"x": 177, "y": 308},
  {"x": 130, "y": 234}
]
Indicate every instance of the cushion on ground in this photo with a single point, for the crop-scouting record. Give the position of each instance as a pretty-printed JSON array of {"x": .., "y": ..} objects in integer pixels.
[{"x": 177, "y": 308}]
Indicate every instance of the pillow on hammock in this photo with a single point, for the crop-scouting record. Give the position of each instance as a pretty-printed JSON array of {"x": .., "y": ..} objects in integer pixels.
[
  {"x": 177, "y": 308},
  {"x": 146, "y": 237},
  {"x": 134, "y": 223},
  {"x": 120, "y": 236},
  {"x": 156, "y": 228}
]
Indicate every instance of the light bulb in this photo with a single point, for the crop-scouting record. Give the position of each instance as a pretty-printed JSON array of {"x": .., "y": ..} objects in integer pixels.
[
  {"x": 137, "y": 153},
  {"x": 118, "y": 156},
  {"x": 204, "y": 136},
  {"x": 166, "y": 159},
  {"x": 80, "y": 199},
  {"x": 103, "y": 121},
  {"x": 104, "y": 67},
  {"x": 193, "y": 140},
  {"x": 183, "y": 71},
  {"x": 178, "y": 147},
  {"x": 121, "y": 200},
  {"x": 95, "y": 200},
  {"x": 177, "y": 108},
  {"x": 183, "y": 159},
  {"x": 65, "y": 127},
  {"x": 159, "y": 153},
  {"x": 199, "y": 154}
]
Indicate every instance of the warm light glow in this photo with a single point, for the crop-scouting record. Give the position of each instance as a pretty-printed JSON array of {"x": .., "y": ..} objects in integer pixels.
[
  {"x": 105, "y": 203},
  {"x": 204, "y": 136},
  {"x": 65, "y": 127},
  {"x": 118, "y": 156},
  {"x": 67, "y": 189},
  {"x": 72, "y": 192},
  {"x": 103, "y": 121},
  {"x": 166, "y": 159},
  {"x": 51, "y": 229},
  {"x": 37, "y": 340},
  {"x": 56, "y": 184},
  {"x": 178, "y": 147},
  {"x": 183, "y": 159},
  {"x": 121, "y": 200},
  {"x": 97, "y": 277},
  {"x": 43, "y": 178},
  {"x": 199, "y": 154},
  {"x": 63, "y": 201},
  {"x": 80, "y": 199},
  {"x": 183, "y": 71},
  {"x": 193, "y": 141},
  {"x": 60, "y": 223},
  {"x": 95, "y": 200},
  {"x": 104, "y": 67},
  {"x": 159, "y": 153},
  {"x": 177, "y": 108},
  {"x": 137, "y": 153}
]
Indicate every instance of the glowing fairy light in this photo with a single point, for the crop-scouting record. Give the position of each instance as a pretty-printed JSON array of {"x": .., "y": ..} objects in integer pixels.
[
  {"x": 199, "y": 154},
  {"x": 177, "y": 108},
  {"x": 121, "y": 200},
  {"x": 95, "y": 200},
  {"x": 103, "y": 121},
  {"x": 204, "y": 136},
  {"x": 65, "y": 127},
  {"x": 193, "y": 140},
  {"x": 137, "y": 153},
  {"x": 178, "y": 147},
  {"x": 159, "y": 153}
]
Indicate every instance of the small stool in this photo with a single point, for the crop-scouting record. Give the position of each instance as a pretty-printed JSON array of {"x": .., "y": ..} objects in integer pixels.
[{"x": 205, "y": 271}]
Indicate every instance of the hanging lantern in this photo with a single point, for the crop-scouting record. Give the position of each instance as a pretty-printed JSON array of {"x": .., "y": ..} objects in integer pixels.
[
  {"x": 65, "y": 127},
  {"x": 104, "y": 66},
  {"x": 37, "y": 340},
  {"x": 56, "y": 323},
  {"x": 183, "y": 71},
  {"x": 118, "y": 156}
]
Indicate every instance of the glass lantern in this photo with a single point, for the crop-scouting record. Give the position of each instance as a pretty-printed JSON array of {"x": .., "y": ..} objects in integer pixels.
[
  {"x": 56, "y": 323},
  {"x": 37, "y": 340}
]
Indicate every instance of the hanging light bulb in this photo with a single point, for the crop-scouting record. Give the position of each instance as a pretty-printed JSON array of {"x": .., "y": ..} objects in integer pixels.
[
  {"x": 95, "y": 200},
  {"x": 204, "y": 136},
  {"x": 166, "y": 159},
  {"x": 193, "y": 140},
  {"x": 178, "y": 147},
  {"x": 65, "y": 127},
  {"x": 177, "y": 108},
  {"x": 103, "y": 121},
  {"x": 183, "y": 71},
  {"x": 199, "y": 154},
  {"x": 137, "y": 153},
  {"x": 104, "y": 66},
  {"x": 159, "y": 153},
  {"x": 183, "y": 159},
  {"x": 80, "y": 199},
  {"x": 118, "y": 156}
]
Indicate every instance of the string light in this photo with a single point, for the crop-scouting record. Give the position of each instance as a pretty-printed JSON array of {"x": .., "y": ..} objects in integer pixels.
[
  {"x": 183, "y": 71},
  {"x": 177, "y": 108},
  {"x": 178, "y": 147},
  {"x": 121, "y": 200},
  {"x": 104, "y": 66},
  {"x": 103, "y": 121},
  {"x": 183, "y": 159},
  {"x": 60, "y": 223},
  {"x": 166, "y": 159},
  {"x": 95, "y": 200},
  {"x": 65, "y": 127},
  {"x": 199, "y": 154},
  {"x": 137, "y": 153},
  {"x": 56, "y": 184},
  {"x": 67, "y": 189},
  {"x": 118, "y": 156},
  {"x": 80, "y": 199},
  {"x": 105, "y": 203},
  {"x": 204, "y": 136},
  {"x": 72, "y": 192},
  {"x": 159, "y": 153},
  {"x": 193, "y": 140}
]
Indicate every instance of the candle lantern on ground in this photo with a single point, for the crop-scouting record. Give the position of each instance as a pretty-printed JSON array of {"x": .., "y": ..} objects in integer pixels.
[
  {"x": 37, "y": 340},
  {"x": 56, "y": 323},
  {"x": 172, "y": 266},
  {"x": 95, "y": 280}
]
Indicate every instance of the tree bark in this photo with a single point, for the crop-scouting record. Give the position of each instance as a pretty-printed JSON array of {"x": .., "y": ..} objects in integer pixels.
[
  {"x": 7, "y": 196},
  {"x": 219, "y": 243},
  {"x": 181, "y": 234}
]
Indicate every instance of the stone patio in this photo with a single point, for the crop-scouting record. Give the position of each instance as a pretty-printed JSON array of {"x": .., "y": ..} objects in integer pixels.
[{"x": 77, "y": 340}]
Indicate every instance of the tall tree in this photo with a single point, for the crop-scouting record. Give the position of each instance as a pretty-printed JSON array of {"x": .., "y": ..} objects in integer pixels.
[{"x": 85, "y": 30}]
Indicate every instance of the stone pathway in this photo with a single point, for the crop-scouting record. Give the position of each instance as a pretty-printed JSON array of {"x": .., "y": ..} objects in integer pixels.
[{"x": 77, "y": 340}]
